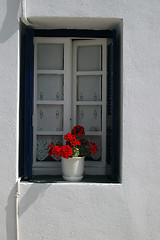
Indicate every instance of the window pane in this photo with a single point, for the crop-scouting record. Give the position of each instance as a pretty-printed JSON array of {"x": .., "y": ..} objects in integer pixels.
[
  {"x": 97, "y": 156},
  {"x": 89, "y": 88},
  {"x": 42, "y": 147},
  {"x": 50, "y": 56},
  {"x": 89, "y": 58},
  {"x": 50, "y": 87},
  {"x": 89, "y": 117},
  {"x": 49, "y": 118}
]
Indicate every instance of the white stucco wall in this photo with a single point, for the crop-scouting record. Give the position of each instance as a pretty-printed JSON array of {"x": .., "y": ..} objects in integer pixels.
[{"x": 130, "y": 210}]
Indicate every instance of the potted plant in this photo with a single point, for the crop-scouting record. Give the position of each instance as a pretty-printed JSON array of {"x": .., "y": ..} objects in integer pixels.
[{"x": 73, "y": 153}]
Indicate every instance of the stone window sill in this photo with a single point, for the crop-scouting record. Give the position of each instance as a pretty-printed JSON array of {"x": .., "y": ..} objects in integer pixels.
[{"x": 86, "y": 179}]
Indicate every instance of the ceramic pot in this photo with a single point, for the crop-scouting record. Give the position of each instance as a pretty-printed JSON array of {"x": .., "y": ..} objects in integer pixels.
[{"x": 73, "y": 168}]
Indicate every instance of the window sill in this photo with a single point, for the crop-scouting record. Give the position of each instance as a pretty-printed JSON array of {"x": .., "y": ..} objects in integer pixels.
[{"x": 86, "y": 179}]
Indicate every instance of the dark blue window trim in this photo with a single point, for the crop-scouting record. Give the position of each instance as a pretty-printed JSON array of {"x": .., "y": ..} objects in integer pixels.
[
  {"x": 74, "y": 33},
  {"x": 28, "y": 102},
  {"x": 28, "y": 105},
  {"x": 114, "y": 131}
]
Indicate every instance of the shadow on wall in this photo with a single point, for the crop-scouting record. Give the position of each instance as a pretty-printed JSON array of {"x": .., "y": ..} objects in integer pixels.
[
  {"x": 10, "y": 23},
  {"x": 31, "y": 196},
  {"x": 28, "y": 199},
  {"x": 11, "y": 215}
]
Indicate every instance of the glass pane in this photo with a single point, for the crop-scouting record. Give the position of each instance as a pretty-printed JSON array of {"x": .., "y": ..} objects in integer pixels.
[
  {"x": 98, "y": 154},
  {"x": 42, "y": 147},
  {"x": 89, "y": 117},
  {"x": 89, "y": 88},
  {"x": 49, "y": 118},
  {"x": 50, "y": 56},
  {"x": 89, "y": 58},
  {"x": 50, "y": 87}
]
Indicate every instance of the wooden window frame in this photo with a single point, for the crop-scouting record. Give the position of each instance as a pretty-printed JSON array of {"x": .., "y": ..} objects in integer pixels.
[{"x": 69, "y": 107}]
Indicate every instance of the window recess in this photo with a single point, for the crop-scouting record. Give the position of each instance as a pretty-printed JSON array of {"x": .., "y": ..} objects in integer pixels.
[{"x": 71, "y": 82}]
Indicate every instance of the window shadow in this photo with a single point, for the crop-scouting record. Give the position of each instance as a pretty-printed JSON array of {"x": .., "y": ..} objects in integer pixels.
[
  {"x": 11, "y": 215},
  {"x": 10, "y": 23},
  {"x": 31, "y": 196}
]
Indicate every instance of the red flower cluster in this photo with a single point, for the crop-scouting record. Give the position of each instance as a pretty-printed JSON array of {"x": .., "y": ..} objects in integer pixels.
[
  {"x": 93, "y": 148},
  {"x": 66, "y": 151},
  {"x": 78, "y": 131},
  {"x": 72, "y": 140},
  {"x": 51, "y": 151},
  {"x": 56, "y": 151},
  {"x": 74, "y": 146},
  {"x": 69, "y": 137}
]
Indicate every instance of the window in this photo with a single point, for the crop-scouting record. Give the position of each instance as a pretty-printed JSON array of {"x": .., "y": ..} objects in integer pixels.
[{"x": 71, "y": 82}]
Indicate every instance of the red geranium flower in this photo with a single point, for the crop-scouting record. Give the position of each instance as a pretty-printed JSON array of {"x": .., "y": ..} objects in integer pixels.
[
  {"x": 69, "y": 137},
  {"x": 78, "y": 130},
  {"x": 75, "y": 145},
  {"x": 50, "y": 147},
  {"x": 56, "y": 151},
  {"x": 66, "y": 151},
  {"x": 94, "y": 148},
  {"x": 75, "y": 142}
]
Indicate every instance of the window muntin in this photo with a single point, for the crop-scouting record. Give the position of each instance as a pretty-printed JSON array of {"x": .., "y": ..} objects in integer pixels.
[{"x": 87, "y": 109}]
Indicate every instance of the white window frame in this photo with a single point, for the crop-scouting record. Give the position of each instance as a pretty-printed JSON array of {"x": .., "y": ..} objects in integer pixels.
[
  {"x": 92, "y": 167},
  {"x": 70, "y": 76}
]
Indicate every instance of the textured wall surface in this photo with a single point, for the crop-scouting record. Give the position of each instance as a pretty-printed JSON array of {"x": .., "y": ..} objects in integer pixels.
[
  {"x": 130, "y": 210},
  {"x": 9, "y": 84}
]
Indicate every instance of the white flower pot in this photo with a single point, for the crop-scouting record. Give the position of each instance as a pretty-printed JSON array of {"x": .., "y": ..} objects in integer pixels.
[{"x": 73, "y": 169}]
